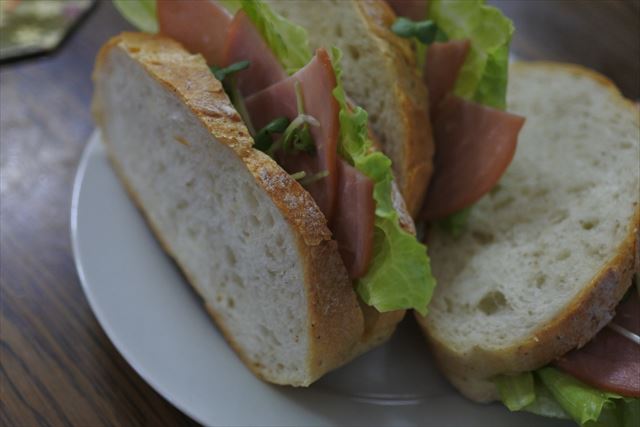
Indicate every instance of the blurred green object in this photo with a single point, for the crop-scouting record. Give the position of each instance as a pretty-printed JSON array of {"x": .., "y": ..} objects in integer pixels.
[{"x": 34, "y": 26}]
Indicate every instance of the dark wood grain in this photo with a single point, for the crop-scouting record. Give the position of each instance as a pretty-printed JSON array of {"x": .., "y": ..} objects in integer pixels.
[{"x": 57, "y": 366}]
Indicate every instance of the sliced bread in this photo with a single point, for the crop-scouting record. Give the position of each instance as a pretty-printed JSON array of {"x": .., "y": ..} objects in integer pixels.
[
  {"x": 549, "y": 253},
  {"x": 247, "y": 236},
  {"x": 380, "y": 75}
]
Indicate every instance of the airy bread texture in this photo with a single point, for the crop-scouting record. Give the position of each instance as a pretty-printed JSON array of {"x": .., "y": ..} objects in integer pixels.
[
  {"x": 247, "y": 236},
  {"x": 380, "y": 75},
  {"x": 551, "y": 250}
]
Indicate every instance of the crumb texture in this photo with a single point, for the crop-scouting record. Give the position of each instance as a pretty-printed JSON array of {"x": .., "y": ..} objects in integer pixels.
[
  {"x": 556, "y": 218},
  {"x": 228, "y": 236}
]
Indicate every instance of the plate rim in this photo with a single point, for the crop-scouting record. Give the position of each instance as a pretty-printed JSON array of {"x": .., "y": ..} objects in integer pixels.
[{"x": 94, "y": 141}]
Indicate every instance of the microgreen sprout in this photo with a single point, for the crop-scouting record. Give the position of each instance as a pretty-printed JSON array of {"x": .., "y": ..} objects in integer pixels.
[
  {"x": 222, "y": 73},
  {"x": 426, "y": 32},
  {"x": 227, "y": 76},
  {"x": 296, "y": 135},
  {"x": 308, "y": 180},
  {"x": 298, "y": 175},
  {"x": 264, "y": 137}
]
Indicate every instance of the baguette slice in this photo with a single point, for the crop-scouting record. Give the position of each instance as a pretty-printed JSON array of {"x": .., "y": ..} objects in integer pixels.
[
  {"x": 549, "y": 253},
  {"x": 380, "y": 75},
  {"x": 247, "y": 236}
]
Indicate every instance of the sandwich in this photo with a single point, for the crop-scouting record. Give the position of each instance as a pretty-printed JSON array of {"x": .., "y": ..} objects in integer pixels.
[
  {"x": 261, "y": 179},
  {"x": 535, "y": 305},
  {"x": 380, "y": 73},
  {"x": 454, "y": 57},
  {"x": 499, "y": 329}
]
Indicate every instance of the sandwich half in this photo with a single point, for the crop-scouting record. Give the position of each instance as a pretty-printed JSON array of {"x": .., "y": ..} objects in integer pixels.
[
  {"x": 381, "y": 74},
  {"x": 528, "y": 290},
  {"x": 259, "y": 178}
]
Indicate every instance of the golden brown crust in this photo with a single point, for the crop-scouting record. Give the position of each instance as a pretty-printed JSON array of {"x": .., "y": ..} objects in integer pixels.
[
  {"x": 336, "y": 329},
  {"x": 589, "y": 312},
  {"x": 336, "y": 322},
  {"x": 411, "y": 94}
]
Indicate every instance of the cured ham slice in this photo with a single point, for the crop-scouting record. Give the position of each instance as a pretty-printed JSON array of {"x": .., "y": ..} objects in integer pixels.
[
  {"x": 474, "y": 146},
  {"x": 611, "y": 360},
  {"x": 244, "y": 43},
  {"x": 200, "y": 25},
  {"x": 353, "y": 222},
  {"x": 345, "y": 195},
  {"x": 441, "y": 69},
  {"x": 317, "y": 81},
  {"x": 416, "y": 10}
]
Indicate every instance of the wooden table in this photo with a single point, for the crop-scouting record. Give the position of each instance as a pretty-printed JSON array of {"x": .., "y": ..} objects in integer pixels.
[{"x": 58, "y": 367}]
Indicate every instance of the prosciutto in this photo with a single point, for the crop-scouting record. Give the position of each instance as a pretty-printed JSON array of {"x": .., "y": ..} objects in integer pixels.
[
  {"x": 244, "y": 43},
  {"x": 345, "y": 196},
  {"x": 474, "y": 146},
  {"x": 416, "y": 10},
  {"x": 200, "y": 25},
  {"x": 474, "y": 143},
  {"x": 317, "y": 80},
  {"x": 610, "y": 361},
  {"x": 441, "y": 69},
  {"x": 354, "y": 219}
]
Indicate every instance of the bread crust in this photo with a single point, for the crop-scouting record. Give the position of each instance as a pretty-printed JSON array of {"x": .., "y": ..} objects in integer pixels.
[
  {"x": 411, "y": 94},
  {"x": 471, "y": 372},
  {"x": 336, "y": 322}
]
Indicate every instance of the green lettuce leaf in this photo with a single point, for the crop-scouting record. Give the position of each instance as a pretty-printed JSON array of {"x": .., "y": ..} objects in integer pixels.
[
  {"x": 140, "y": 13},
  {"x": 455, "y": 223},
  {"x": 631, "y": 412},
  {"x": 516, "y": 391},
  {"x": 553, "y": 393},
  {"x": 399, "y": 276},
  {"x": 483, "y": 77},
  {"x": 288, "y": 41},
  {"x": 545, "y": 404},
  {"x": 231, "y": 5},
  {"x": 583, "y": 403}
]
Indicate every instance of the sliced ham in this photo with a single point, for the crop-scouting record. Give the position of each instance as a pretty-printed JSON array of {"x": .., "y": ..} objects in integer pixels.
[
  {"x": 611, "y": 361},
  {"x": 353, "y": 221},
  {"x": 474, "y": 146},
  {"x": 200, "y": 25},
  {"x": 244, "y": 43},
  {"x": 441, "y": 69},
  {"x": 317, "y": 81},
  {"x": 416, "y": 10}
]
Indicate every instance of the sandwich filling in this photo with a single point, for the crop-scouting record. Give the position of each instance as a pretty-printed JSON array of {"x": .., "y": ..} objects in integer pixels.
[
  {"x": 294, "y": 105},
  {"x": 596, "y": 385},
  {"x": 462, "y": 50},
  {"x": 464, "y": 61}
]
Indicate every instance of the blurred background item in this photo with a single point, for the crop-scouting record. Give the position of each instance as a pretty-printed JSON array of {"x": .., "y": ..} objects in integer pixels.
[{"x": 29, "y": 27}]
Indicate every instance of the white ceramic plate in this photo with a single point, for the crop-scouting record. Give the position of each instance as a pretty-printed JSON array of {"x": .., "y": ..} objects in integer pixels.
[{"x": 159, "y": 325}]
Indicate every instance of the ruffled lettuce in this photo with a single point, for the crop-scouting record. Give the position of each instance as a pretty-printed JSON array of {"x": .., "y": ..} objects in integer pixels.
[
  {"x": 399, "y": 276},
  {"x": 516, "y": 391},
  {"x": 553, "y": 393},
  {"x": 288, "y": 42},
  {"x": 483, "y": 77},
  {"x": 139, "y": 13}
]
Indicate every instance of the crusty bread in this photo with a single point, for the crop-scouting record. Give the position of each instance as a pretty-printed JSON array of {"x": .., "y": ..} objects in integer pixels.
[
  {"x": 247, "y": 236},
  {"x": 381, "y": 76},
  {"x": 551, "y": 250}
]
